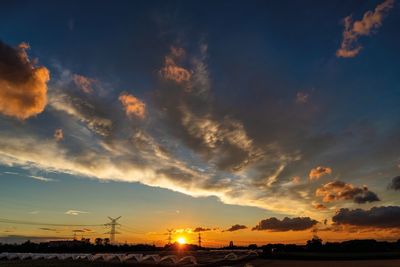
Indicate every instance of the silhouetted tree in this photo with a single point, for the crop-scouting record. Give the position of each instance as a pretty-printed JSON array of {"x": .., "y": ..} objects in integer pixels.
[
  {"x": 315, "y": 244},
  {"x": 98, "y": 241}
]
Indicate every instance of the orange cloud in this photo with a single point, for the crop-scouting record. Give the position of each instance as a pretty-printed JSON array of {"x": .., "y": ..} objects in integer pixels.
[
  {"x": 371, "y": 21},
  {"x": 338, "y": 190},
  {"x": 132, "y": 105},
  {"x": 319, "y": 206},
  {"x": 318, "y": 172},
  {"x": 84, "y": 83},
  {"x": 23, "y": 86},
  {"x": 171, "y": 71},
  {"x": 58, "y": 135}
]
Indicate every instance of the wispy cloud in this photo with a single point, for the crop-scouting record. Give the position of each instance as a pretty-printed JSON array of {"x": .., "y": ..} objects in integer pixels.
[
  {"x": 41, "y": 178},
  {"x": 75, "y": 212},
  {"x": 368, "y": 25}
]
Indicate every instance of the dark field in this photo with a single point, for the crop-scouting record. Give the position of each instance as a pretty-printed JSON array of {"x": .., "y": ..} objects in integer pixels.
[{"x": 251, "y": 263}]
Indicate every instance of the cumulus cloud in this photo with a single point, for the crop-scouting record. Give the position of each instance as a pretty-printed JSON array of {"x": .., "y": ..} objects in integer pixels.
[
  {"x": 318, "y": 172},
  {"x": 58, "y": 134},
  {"x": 368, "y": 25},
  {"x": 286, "y": 224},
  {"x": 235, "y": 227},
  {"x": 23, "y": 85},
  {"x": 75, "y": 212},
  {"x": 338, "y": 190},
  {"x": 132, "y": 105},
  {"x": 395, "y": 183},
  {"x": 201, "y": 229},
  {"x": 377, "y": 217}
]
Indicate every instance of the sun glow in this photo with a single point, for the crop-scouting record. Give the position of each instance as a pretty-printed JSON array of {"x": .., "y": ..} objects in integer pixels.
[{"x": 181, "y": 240}]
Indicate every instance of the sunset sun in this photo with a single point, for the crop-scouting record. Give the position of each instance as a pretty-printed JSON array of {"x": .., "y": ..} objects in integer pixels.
[{"x": 181, "y": 240}]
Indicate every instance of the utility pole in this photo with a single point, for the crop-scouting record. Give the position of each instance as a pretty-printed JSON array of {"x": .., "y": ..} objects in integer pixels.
[
  {"x": 113, "y": 225},
  {"x": 170, "y": 236},
  {"x": 199, "y": 240}
]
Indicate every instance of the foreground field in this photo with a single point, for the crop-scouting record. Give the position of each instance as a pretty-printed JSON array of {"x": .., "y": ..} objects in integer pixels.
[
  {"x": 252, "y": 263},
  {"x": 298, "y": 263}
]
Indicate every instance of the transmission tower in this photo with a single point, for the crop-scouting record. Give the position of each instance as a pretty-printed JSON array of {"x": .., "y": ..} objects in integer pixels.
[
  {"x": 170, "y": 236},
  {"x": 199, "y": 240},
  {"x": 113, "y": 225}
]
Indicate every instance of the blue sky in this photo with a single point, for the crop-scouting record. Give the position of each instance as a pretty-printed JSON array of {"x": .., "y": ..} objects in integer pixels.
[{"x": 198, "y": 114}]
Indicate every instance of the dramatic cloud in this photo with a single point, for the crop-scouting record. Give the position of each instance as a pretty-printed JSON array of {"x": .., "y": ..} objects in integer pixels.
[
  {"x": 287, "y": 224},
  {"x": 370, "y": 22},
  {"x": 377, "y": 217},
  {"x": 58, "y": 135},
  {"x": 132, "y": 105},
  {"x": 235, "y": 227},
  {"x": 318, "y": 172},
  {"x": 23, "y": 88},
  {"x": 201, "y": 229},
  {"x": 338, "y": 190},
  {"x": 84, "y": 83},
  {"x": 395, "y": 183},
  {"x": 190, "y": 144},
  {"x": 75, "y": 212}
]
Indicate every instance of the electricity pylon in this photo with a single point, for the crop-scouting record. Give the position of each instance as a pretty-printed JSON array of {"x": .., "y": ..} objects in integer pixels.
[
  {"x": 113, "y": 232},
  {"x": 199, "y": 240},
  {"x": 170, "y": 236}
]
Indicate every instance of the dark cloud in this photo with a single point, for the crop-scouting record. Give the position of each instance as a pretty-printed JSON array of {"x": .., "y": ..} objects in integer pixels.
[
  {"x": 338, "y": 190},
  {"x": 380, "y": 217},
  {"x": 235, "y": 227},
  {"x": 23, "y": 85},
  {"x": 287, "y": 224},
  {"x": 201, "y": 229},
  {"x": 395, "y": 183}
]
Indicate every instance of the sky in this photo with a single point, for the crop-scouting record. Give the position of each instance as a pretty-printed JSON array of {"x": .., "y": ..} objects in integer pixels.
[{"x": 251, "y": 121}]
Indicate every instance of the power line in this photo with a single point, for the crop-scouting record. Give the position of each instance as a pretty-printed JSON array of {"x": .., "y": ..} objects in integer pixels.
[
  {"x": 9, "y": 221},
  {"x": 113, "y": 232}
]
